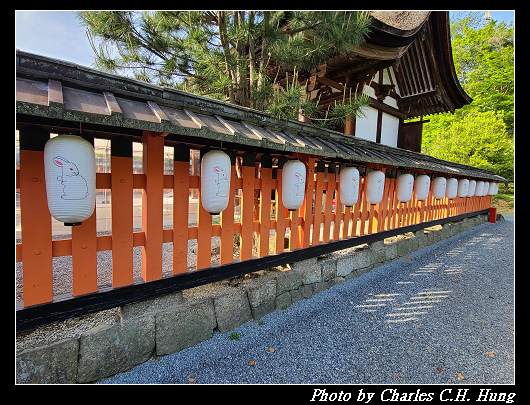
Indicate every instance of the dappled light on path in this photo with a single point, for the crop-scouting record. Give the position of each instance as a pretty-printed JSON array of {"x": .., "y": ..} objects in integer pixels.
[{"x": 414, "y": 305}]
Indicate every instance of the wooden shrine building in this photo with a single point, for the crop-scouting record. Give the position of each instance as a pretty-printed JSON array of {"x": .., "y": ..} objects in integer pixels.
[
  {"x": 405, "y": 66},
  {"x": 408, "y": 70}
]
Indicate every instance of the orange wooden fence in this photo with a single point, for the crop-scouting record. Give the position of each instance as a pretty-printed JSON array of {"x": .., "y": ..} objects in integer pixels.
[{"x": 321, "y": 218}]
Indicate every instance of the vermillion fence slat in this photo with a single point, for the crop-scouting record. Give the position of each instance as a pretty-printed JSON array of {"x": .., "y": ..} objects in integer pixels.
[
  {"x": 227, "y": 224},
  {"x": 152, "y": 205},
  {"x": 364, "y": 208},
  {"x": 122, "y": 211},
  {"x": 319, "y": 193},
  {"x": 204, "y": 236},
  {"x": 304, "y": 231},
  {"x": 345, "y": 222},
  {"x": 84, "y": 257},
  {"x": 371, "y": 213},
  {"x": 330, "y": 189},
  {"x": 311, "y": 224},
  {"x": 338, "y": 209},
  {"x": 280, "y": 216},
  {"x": 181, "y": 186},
  {"x": 265, "y": 205},
  {"x": 357, "y": 209},
  {"x": 35, "y": 219},
  {"x": 247, "y": 206}
]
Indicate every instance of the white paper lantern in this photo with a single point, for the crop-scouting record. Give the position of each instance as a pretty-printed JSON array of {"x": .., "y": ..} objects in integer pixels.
[
  {"x": 349, "y": 186},
  {"x": 375, "y": 185},
  {"x": 472, "y": 188},
  {"x": 494, "y": 187},
  {"x": 215, "y": 181},
  {"x": 463, "y": 187},
  {"x": 451, "y": 188},
  {"x": 70, "y": 172},
  {"x": 486, "y": 188},
  {"x": 405, "y": 185},
  {"x": 423, "y": 184},
  {"x": 479, "y": 189},
  {"x": 293, "y": 184},
  {"x": 439, "y": 185}
]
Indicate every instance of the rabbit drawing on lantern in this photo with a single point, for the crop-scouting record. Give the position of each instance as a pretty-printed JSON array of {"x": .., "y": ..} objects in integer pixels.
[
  {"x": 222, "y": 182},
  {"x": 74, "y": 185},
  {"x": 300, "y": 184}
]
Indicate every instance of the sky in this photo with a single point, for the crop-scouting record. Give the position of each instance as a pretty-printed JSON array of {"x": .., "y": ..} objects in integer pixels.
[{"x": 58, "y": 34}]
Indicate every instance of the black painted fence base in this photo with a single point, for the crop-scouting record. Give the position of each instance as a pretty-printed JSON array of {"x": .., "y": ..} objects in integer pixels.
[{"x": 43, "y": 314}]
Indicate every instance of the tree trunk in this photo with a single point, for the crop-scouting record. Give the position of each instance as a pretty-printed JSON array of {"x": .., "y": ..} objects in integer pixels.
[{"x": 226, "y": 50}]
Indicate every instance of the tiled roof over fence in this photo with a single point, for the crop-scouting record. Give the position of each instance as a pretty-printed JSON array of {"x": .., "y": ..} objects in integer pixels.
[{"x": 67, "y": 93}]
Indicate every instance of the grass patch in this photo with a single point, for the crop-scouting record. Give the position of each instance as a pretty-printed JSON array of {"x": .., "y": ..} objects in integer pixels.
[
  {"x": 505, "y": 203},
  {"x": 234, "y": 336}
]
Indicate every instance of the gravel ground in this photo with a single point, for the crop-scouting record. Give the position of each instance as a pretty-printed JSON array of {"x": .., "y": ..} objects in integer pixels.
[
  {"x": 62, "y": 266},
  {"x": 444, "y": 314}
]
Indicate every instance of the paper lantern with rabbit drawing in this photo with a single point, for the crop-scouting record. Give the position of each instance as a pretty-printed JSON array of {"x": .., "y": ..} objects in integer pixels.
[
  {"x": 70, "y": 171},
  {"x": 215, "y": 181}
]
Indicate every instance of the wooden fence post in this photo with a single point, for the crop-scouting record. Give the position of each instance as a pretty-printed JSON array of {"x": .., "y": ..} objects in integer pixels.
[
  {"x": 84, "y": 255},
  {"x": 122, "y": 210},
  {"x": 37, "y": 275},
  {"x": 265, "y": 205},
  {"x": 152, "y": 205},
  {"x": 280, "y": 210},
  {"x": 227, "y": 217},
  {"x": 319, "y": 193},
  {"x": 247, "y": 206},
  {"x": 181, "y": 186}
]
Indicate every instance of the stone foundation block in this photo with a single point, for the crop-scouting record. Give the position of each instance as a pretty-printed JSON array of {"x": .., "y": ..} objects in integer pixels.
[
  {"x": 404, "y": 247},
  {"x": 335, "y": 281},
  {"x": 232, "y": 310},
  {"x": 344, "y": 266},
  {"x": 328, "y": 269},
  {"x": 312, "y": 274},
  {"x": 362, "y": 258},
  {"x": 378, "y": 252},
  {"x": 319, "y": 287},
  {"x": 53, "y": 364},
  {"x": 296, "y": 296},
  {"x": 110, "y": 349},
  {"x": 287, "y": 280},
  {"x": 420, "y": 238},
  {"x": 306, "y": 291},
  {"x": 283, "y": 301},
  {"x": 260, "y": 291},
  {"x": 184, "y": 325},
  {"x": 262, "y": 310},
  {"x": 390, "y": 251}
]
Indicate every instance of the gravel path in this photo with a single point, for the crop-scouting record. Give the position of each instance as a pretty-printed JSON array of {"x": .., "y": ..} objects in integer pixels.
[{"x": 444, "y": 314}]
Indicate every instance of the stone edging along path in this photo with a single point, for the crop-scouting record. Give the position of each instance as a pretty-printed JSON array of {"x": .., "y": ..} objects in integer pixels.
[{"x": 97, "y": 346}]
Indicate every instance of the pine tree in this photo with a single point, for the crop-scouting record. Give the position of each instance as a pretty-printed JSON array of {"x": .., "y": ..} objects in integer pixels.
[{"x": 237, "y": 56}]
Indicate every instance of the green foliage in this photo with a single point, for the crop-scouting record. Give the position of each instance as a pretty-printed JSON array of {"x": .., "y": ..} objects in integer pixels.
[
  {"x": 289, "y": 103},
  {"x": 481, "y": 140},
  {"x": 315, "y": 36},
  {"x": 479, "y": 134},
  {"x": 226, "y": 54},
  {"x": 484, "y": 61},
  {"x": 234, "y": 336}
]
